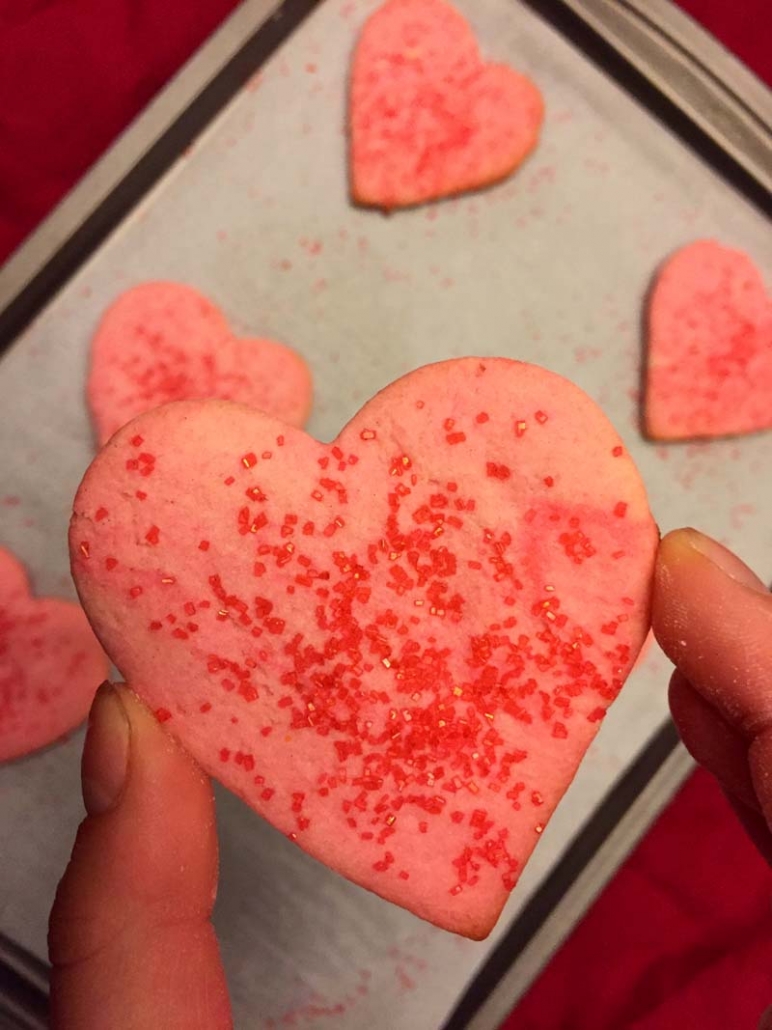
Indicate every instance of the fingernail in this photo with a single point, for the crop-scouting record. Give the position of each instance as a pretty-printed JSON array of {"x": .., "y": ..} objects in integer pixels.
[
  {"x": 106, "y": 752},
  {"x": 729, "y": 563}
]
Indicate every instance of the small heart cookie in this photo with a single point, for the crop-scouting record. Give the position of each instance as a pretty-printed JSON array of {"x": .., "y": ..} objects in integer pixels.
[
  {"x": 164, "y": 341},
  {"x": 50, "y": 665},
  {"x": 395, "y": 647},
  {"x": 709, "y": 346},
  {"x": 428, "y": 117}
]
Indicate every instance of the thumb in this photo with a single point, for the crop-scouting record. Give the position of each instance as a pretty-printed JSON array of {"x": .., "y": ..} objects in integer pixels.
[
  {"x": 130, "y": 939},
  {"x": 713, "y": 618}
]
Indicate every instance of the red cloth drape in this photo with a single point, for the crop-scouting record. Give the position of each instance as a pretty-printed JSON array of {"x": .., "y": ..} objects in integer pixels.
[
  {"x": 743, "y": 26},
  {"x": 73, "y": 74},
  {"x": 680, "y": 940}
]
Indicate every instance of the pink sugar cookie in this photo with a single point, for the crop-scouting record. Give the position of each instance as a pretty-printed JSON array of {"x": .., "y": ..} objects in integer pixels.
[
  {"x": 428, "y": 117},
  {"x": 395, "y": 647},
  {"x": 163, "y": 341},
  {"x": 50, "y": 665},
  {"x": 710, "y": 346}
]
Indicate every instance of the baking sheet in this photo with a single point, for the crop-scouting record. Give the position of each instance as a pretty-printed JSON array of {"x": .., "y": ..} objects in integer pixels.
[{"x": 550, "y": 267}]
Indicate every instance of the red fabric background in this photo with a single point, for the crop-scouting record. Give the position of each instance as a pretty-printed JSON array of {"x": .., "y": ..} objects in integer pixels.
[
  {"x": 73, "y": 74},
  {"x": 681, "y": 938},
  {"x": 744, "y": 26}
]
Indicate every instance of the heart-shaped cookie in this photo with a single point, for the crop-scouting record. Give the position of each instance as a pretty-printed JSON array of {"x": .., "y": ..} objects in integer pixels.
[
  {"x": 395, "y": 647},
  {"x": 709, "y": 347},
  {"x": 50, "y": 665},
  {"x": 428, "y": 118},
  {"x": 164, "y": 341}
]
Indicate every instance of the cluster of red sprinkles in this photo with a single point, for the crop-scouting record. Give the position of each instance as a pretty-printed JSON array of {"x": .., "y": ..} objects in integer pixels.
[
  {"x": 411, "y": 721},
  {"x": 144, "y": 462}
]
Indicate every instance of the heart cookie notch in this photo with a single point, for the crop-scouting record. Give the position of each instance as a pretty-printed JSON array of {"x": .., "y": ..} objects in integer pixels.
[
  {"x": 395, "y": 647},
  {"x": 709, "y": 346},
  {"x": 428, "y": 117},
  {"x": 50, "y": 665},
  {"x": 164, "y": 341}
]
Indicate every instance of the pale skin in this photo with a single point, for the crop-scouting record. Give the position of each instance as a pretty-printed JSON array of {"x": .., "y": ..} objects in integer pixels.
[{"x": 131, "y": 940}]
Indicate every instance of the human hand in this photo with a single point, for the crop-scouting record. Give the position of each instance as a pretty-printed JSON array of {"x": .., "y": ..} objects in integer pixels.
[
  {"x": 713, "y": 618},
  {"x": 130, "y": 939}
]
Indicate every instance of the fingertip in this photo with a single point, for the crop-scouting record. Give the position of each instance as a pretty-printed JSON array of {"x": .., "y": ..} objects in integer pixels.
[
  {"x": 105, "y": 760},
  {"x": 683, "y": 549},
  {"x": 713, "y": 618},
  {"x": 159, "y": 767}
]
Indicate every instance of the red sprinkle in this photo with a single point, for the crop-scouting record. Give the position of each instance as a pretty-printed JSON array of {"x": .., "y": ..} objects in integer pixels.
[{"x": 495, "y": 471}]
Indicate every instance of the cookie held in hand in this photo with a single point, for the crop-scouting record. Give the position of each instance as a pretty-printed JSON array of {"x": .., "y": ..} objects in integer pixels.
[{"x": 395, "y": 647}]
